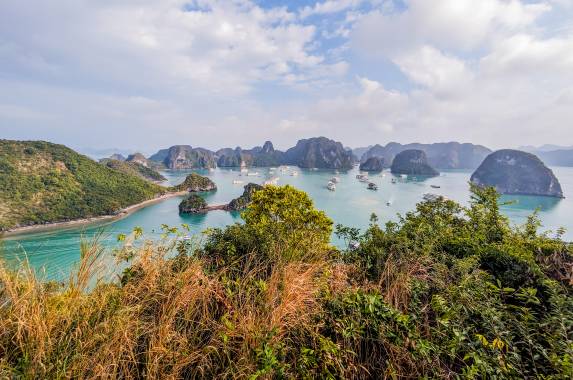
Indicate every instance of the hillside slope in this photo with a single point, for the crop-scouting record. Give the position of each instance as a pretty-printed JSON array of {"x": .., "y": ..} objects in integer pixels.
[
  {"x": 134, "y": 168},
  {"x": 42, "y": 182}
]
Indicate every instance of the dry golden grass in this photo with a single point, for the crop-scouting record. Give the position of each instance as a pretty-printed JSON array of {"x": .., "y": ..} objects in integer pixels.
[{"x": 168, "y": 323}]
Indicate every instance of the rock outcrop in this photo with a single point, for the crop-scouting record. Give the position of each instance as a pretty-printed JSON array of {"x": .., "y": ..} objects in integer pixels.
[
  {"x": 517, "y": 172},
  {"x": 258, "y": 156},
  {"x": 193, "y": 204},
  {"x": 180, "y": 157},
  {"x": 195, "y": 183},
  {"x": 117, "y": 156},
  {"x": 266, "y": 156},
  {"x": 231, "y": 158},
  {"x": 413, "y": 162},
  {"x": 319, "y": 152},
  {"x": 138, "y": 158},
  {"x": 372, "y": 164},
  {"x": 245, "y": 199}
]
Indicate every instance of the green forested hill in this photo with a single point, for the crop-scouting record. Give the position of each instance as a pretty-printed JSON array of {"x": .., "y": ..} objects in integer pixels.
[
  {"x": 134, "y": 168},
  {"x": 42, "y": 182}
]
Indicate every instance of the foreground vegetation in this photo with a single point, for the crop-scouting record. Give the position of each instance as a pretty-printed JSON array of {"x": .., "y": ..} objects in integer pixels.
[
  {"x": 42, "y": 182},
  {"x": 445, "y": 292}
]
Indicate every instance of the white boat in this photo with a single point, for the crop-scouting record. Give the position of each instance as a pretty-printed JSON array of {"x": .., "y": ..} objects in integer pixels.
[
  {"x": 393, "y": 180},
  {"x": 237, "y": 182},
  {"x": 294, "y": 174},
  {"x": 362, "y": 177},
  {"x": 331, "y": 186},
  {"x": 372, "y": 186},
  {"x": 252, "y": 174},
  {"x": 388, "y": 203},
  {"x": 335, "y": 179},
  {"x": 404, "y": 176}
]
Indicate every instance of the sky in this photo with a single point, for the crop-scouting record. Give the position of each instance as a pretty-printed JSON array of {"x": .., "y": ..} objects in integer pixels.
[{"x": 146, "y": 74}]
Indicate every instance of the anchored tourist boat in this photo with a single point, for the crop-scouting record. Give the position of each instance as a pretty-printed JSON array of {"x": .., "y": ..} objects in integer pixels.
[
  {"x": 331, "y": 186},
  {"x": 372, "y": 186}
]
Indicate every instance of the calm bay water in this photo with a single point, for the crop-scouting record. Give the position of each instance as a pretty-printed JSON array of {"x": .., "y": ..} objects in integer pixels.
[{"x": 54, "y": 253}]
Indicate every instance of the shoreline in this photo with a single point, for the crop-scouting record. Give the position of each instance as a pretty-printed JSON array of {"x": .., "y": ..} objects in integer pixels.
[{"x": 124, "y": 212}]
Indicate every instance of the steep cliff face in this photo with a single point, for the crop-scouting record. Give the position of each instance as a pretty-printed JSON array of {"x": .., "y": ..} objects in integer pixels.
[
  {"x": 452, "y": 155},
  {"x": 319, "y": 152},
  {"x": 233, "y": 158},
  {"x": 372, "y": 164},
  {"x": 267, "y": 155},
  {"x": 185, "y": 157},
  {"x": 517, "y": 172},
  {"x": 413, "y": 162}
]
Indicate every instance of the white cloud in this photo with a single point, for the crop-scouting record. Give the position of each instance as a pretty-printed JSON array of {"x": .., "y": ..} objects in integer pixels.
[
  {"x": 226, "y": 73},
  {"x": 447, "y": 24}
]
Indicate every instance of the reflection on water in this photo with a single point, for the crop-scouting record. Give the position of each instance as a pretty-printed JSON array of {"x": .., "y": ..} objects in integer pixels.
[
  {"x": 351, "y": 204},
  {"x": 529, "y": 203}
]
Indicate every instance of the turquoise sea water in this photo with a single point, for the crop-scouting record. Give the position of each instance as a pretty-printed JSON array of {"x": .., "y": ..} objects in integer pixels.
[{"x": 54, "y": 253}]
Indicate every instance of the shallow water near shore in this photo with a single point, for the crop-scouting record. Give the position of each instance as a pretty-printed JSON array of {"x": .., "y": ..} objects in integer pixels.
[{"x": 53, "y": 253}]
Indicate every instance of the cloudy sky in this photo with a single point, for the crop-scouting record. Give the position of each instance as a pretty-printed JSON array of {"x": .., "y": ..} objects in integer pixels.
[{"x": 144, "y": 74}]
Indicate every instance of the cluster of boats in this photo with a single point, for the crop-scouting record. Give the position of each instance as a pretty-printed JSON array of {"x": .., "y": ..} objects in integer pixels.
[
  {"x": 331, "y": 185},
  {"x": 363, "y": 177}
]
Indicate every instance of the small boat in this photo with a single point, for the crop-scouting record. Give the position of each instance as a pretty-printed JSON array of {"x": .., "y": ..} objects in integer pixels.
[
  {"x": 331, "y": 186},
  {"x": 294, "y": 174},
  {"x": 237, "y": 182},
  {"x": 388, "y": 203},
  {"x": 372, "y": 186},
  {"x": 335, "y": 179},
  {"x": 252, "y": 174},
  {"x": 393, "y": 180},
  {"x": 404, "y": 176},
  {"x": 435, "y": 186}
]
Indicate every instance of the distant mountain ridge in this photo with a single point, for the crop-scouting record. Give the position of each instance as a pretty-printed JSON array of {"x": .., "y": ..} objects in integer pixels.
[
  {"x": 451, "y": 155},
  {"x": 553, "y": 155},
  {"x": 319, "y": 152}
]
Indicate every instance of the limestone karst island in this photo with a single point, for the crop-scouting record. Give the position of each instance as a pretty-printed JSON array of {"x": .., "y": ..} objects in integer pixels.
[{"x": 319, "y": 189}]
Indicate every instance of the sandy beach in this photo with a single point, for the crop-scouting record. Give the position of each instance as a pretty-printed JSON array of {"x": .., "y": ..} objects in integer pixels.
[{"x": 87, "y": 221}]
